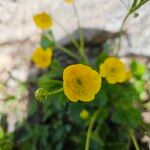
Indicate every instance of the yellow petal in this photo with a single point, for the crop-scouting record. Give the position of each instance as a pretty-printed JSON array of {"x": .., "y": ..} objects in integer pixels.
[
  {"x": 103, "y": 70},
  {"x": 43, "y": 20}
]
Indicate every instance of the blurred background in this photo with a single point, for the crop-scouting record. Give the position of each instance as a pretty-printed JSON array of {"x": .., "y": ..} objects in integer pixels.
[{"x": 19, "y": 37}]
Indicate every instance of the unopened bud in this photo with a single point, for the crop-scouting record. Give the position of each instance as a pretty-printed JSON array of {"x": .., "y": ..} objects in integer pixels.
[{"x": 41, "y": 94}]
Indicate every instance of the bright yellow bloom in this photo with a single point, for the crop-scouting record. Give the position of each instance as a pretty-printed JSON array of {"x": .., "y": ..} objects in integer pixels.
[
  {"x": 113, "y": 70},
  {"x": 81, "y": 82},
  {"x": 84, "y": 114},
  {"x": 43, "y": 20},
  {"x": 69, "y": 1},
  {"x": 42, "y": 58}
]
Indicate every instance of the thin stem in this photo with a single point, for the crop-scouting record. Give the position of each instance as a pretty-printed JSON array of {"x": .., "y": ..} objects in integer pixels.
[
  {"x": 74, "y": 42},
  {"x": 93, "y": 119},
  {"x": 135, "y": 6},
  {"x": 80, "y": 29},
  {"x": 63, "y": 49},
  {"x": 120, "y": 32},
  {"x": 81, "y": 35},
  {"x": 55, "y": 92},
  {"x": 67, "y": 51},
  {"x": 134, "y": 140}
]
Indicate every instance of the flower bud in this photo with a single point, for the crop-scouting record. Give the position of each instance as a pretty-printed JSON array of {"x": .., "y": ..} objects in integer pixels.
[
  {"x": 41, "y": 94},
  {"x": 84, "y": 114}
]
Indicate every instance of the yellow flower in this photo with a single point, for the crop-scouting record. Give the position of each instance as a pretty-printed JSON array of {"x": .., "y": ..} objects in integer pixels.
[
  {"x": 43, "y": 20},
  {"x": 113, "y": 70},
  {"x": 42, "y": 58},
  {"x": 81, "y": 82},
  {"x": 84, "y": 114},
  {"x": 69, "y": 1}
]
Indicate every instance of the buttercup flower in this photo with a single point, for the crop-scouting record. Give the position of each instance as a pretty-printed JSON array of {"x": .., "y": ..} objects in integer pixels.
[
  {"x": 69, "y": 1},
  {"x": 81, "y": 82},
  {"x": 42, "y": 58},
  {"x": 84, "y": 114},
  {"x": 113, "y": 70},
  {"x": 43, "y": 20}
]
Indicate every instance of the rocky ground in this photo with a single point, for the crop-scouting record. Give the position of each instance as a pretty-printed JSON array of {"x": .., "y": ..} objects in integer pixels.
[{"x": 19, "y": 36}]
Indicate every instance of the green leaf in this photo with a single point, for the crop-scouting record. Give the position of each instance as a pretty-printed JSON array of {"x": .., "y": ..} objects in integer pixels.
[
  {"x": 137, "y": 69},
  {"x": 33, "y": 108},
  {"x": 56, "y": 69},
  {"x": 136, "y": 5},
  {"x": 51, "y": 85},
  {"x": 139, "y": 86},
  {"x": 104, "y": 130},
  {"x": 96, "y": 143},
  {"x": 47, "y": 40},
  {"x": 74, "y": 111},
  {"x": 103, "y": 114},
  {"x": 101, "y": 57},
  {"x": 1, "y": 133},
  {"x": 47, "y": 114},
  {"x": 63, "y": 99},
  {"x": 116, "y": 146},
  {"x": 100, "y": 99},
  {"x": 130, "y": 117},
  {"x": 43, "y": 79}
]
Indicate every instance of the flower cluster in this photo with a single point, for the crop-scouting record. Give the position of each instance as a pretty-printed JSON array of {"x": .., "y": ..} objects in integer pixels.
[
  {"x": 44, "y": 21},
  {"x": 42, "y": 57},
  {"x": 92, "y": 89},
  {"x": 80, "y": 82}
]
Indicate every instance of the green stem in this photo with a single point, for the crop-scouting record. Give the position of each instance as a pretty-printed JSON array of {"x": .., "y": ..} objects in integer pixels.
[
  {"x": 120, "y": 32},
  {"x": 134, "y": 140},
  {"x": 67, "y": 51},
  {"x": 74, "y": 42},
  {"x": 55, "y": 92},
  {"x": 135, "y": 6},
  {"x": 81, "y": 35},
  {"x": 93, "y": 119},
  {"x": 63, "y": 49}
]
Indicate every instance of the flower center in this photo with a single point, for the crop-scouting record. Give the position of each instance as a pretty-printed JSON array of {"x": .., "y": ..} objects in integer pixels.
[
  {"x": 43, "y": 58},
  {"x": 113, "y": 70},
  {"x": 79, "y": 82},
  {"x": 44, "y": 20}
]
